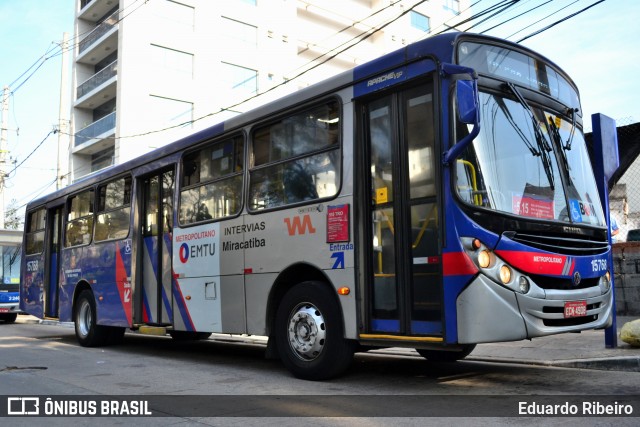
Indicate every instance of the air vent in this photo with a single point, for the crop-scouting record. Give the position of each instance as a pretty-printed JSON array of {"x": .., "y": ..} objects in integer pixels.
[{"x": 574, "y": 245}]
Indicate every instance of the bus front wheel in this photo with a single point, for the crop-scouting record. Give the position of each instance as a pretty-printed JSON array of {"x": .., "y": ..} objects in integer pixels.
[
  {"x": 309, "y": 333},
  {"x": 88, "y": 332},
  {"x": 447, "y": 355}
]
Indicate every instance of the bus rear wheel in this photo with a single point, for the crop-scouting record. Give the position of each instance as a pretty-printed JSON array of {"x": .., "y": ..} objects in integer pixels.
[
  {"x": 88, "y": 332},
  {"x": 8, "y": 317},
  {"x": 446, "y": 355},
  {"x": 310, "y": 334}
]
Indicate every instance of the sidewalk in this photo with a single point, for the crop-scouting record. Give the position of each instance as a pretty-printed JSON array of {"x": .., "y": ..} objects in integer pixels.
[{"x": 581, "y": 350}]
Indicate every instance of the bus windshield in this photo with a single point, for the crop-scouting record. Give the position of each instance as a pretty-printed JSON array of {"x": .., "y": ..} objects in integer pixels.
[{"x": 528, "y": 162}]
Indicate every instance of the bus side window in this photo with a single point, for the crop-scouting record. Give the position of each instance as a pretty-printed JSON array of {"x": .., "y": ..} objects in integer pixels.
[
  {"x": 79, "y": 227},
  {"x": 212, "y": 178},
  {"x": 114, "y": 209},
  {"x": 35, "y": 232},
  {"x": 296, "y": 159}
]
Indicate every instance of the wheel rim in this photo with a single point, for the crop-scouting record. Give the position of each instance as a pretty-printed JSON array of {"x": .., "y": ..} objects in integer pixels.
[
  {"x": 306, "y": 331},
  {"x": 84, "y": 318}
]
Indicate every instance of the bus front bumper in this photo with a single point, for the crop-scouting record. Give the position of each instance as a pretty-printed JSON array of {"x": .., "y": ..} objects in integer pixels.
[{"x": 488, "y": 312}]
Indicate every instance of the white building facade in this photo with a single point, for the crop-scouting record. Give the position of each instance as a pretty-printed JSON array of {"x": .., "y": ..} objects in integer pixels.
[{"x": 146, "y": 73}]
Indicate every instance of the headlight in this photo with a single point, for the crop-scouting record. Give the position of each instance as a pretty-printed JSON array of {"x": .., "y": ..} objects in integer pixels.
[
  {"x": 494, "y": 267},
  {"x": 505, "y": 274},
  {"x": 484, "y": 259},
  {"x": 523, "y": 284},
  {"x": 605, "y": 282}
]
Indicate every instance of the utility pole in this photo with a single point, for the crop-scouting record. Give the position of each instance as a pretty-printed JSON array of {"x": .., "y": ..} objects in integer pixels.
[
  {"x": 63, "y": 123},
  {"x": 3, "y": 149}
]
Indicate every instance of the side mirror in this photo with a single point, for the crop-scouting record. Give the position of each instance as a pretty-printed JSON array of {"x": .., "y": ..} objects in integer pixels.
[
  {"x": 467, "y": 106},
  {"x": 466, "y": 101}
]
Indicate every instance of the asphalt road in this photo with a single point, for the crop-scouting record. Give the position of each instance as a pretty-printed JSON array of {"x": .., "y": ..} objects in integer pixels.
[{"x": 229, "y": 382}]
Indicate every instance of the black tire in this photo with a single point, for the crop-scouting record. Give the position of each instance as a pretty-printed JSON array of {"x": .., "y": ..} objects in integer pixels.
[
  {"x": 309, "y": 333},
  {"x": 447, "y": 355},
  {"x": 189, "y": 335},
  {"x": 8, "y": 317},
  {"x": 88, "y": 333}
]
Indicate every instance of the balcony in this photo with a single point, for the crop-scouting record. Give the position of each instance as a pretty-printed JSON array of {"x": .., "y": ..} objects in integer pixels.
[
  {"x": 99, "y": 88},
  {"x": 100, "y": 42},
  {"x": 93, "y": 10},
  {"x": 93, "y": 138}
]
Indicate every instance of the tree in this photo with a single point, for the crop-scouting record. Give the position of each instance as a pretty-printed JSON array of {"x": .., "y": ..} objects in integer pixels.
[{"x": 13, "y": 220}]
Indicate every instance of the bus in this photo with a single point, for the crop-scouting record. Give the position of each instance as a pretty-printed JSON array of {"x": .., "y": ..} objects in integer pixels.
[
  {"x": 10, "y": 252},
  {"x": 437, "y": 197}
]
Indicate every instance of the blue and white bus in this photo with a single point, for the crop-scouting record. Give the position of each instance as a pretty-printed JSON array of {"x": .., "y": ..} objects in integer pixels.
[
  {"x": 10, "y": 252},
  {"x": 437, "y": 197}
]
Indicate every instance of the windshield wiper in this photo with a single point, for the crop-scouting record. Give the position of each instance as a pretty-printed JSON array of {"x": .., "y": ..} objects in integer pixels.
[
  {"x": 573, "y": 112},
  {"x": 554, "y": 131},
  {"x": 543, "y": 145}
]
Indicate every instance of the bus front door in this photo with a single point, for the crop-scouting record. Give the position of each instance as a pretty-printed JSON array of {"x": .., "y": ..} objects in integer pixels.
[
  {"x": 404, "y": 269},
  {"x": 156, "y": 299}
]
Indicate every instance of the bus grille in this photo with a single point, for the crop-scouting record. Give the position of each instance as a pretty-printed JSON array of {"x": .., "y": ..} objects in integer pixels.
[
  {"x": 579, "y": 245},
  {"x": 547, "y": 282},
  {"x": 572, "y": 321}
]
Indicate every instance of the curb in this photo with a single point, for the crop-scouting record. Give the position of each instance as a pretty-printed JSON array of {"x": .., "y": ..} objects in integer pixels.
[{"x": 622, "y": 363}]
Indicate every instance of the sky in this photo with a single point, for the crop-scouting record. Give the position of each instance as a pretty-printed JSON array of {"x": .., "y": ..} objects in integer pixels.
[{"x": 597, "y": 48}]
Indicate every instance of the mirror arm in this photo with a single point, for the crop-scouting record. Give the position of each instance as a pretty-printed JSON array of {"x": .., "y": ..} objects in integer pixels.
[{"x": 454, "y": 152}]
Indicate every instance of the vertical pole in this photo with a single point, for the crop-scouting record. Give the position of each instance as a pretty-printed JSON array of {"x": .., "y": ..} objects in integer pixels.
[
  {"x": 3, "y": 149},
  {"x": 606, "y": 162},
  {"x": 63, "y": 128}
]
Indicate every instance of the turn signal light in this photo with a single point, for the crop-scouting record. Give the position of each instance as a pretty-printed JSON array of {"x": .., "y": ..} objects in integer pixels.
[{"x": 344, "y": 291}]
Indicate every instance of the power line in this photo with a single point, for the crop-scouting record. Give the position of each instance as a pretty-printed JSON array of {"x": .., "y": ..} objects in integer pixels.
[
  {"x": 48, "y": 55},
  {"x": 32, "y": 152},
  {"x": 515, "y": 17},
  {"x": 560, "y": 21}
]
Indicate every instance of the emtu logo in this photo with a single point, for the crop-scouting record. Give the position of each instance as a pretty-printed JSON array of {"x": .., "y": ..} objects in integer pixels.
[
  {"x": 184, "y": 253},
  {"x": 298, "y": 226}
]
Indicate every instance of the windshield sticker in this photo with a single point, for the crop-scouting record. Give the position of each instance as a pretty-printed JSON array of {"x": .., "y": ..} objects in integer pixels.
[
  {"x": 581, "y": 211},
  {"x": 533, "y": 207}
]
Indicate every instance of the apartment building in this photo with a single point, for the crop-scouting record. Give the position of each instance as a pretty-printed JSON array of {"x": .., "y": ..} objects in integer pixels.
[{"x": 146, "y": 73}]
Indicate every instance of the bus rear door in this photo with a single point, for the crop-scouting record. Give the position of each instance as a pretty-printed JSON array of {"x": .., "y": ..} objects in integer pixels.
[
  {"x": 155, "y": 305},
  {"x": 52, "y": 265}
]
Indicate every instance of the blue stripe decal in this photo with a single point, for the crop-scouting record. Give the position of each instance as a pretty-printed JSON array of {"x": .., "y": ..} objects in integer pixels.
[
  {"x": 426, "y": 328},
  {"x": 383, "y": 325}
]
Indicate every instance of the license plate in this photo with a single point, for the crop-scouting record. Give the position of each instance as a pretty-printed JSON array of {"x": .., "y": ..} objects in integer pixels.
[
  {"x": 575, "y": 309},
  {"x": 4, "y": 309}
]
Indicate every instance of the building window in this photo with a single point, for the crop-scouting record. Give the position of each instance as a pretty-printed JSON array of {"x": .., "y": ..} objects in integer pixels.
[
  {"x": 211, "y": 186},
  {"x": 420, "y": 21},
  {"x": 171, "y": 112},
  {"x": 177, "y": 14},
  {"x": 240, "y": 81},
  {"x": 172, "y": 61},
  {"x": 114, "y": 210},
  {"x": 238, "y": 34},
  {"x": 102, "y": 159},
  {"x": 452, "y": 6},
  {"x": 296, "y": 159}
]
